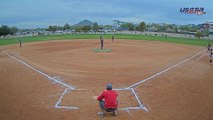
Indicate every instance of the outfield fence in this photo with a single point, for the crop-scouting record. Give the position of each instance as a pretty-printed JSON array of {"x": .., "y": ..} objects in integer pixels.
[{"x": 161, "y": 34}]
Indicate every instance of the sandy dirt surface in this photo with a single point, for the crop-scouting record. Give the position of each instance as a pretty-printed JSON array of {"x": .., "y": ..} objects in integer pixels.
[{"x": 183, "y": 92}]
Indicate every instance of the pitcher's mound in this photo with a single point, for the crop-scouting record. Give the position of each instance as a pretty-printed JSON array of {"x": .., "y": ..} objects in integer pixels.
[{"x": 99, "y": 50}]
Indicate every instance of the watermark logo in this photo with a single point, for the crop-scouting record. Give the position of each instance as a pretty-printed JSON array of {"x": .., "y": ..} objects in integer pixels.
[{"x": 193, "y": 10}]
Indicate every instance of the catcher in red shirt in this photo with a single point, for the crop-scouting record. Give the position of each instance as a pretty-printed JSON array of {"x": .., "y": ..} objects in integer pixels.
[{"x": 108, "y": 100}]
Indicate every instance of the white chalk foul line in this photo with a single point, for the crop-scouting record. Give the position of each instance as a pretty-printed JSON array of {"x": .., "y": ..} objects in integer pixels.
[
  {"x": 42, "y": 73},
  {"x": 159, "y": 73},
  {"x": 201, "y": 56},
  {"x": 68, "y": 87},
  {"x": 131, "y": 88}
]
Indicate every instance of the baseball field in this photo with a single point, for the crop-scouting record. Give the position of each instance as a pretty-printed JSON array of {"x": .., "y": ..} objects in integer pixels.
[{"x": 59, "y": 78}]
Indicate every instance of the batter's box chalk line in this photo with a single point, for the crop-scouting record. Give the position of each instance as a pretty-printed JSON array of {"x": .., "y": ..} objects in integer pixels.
[
  {"x": 140, "y": 105},
  {"x": 58, "y": 103},
  {"x": 130, "y": 88}
]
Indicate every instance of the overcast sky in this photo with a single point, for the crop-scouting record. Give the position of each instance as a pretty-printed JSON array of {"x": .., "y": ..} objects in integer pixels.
[{"x": 42, "y": 13}]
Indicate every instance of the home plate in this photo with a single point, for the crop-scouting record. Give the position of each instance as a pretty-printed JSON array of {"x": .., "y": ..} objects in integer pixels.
[{"x": 95, "y": 97}]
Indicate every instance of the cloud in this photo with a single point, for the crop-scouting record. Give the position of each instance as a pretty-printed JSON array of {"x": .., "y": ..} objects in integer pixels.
[{"x": 42, "y": 13}]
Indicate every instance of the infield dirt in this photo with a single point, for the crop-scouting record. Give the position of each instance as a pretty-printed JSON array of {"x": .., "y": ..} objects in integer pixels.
[{"x": 182, "y": 93}]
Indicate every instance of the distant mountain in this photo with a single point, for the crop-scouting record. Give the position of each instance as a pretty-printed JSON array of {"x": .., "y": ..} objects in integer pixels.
[{"x": 84, "y": 23}]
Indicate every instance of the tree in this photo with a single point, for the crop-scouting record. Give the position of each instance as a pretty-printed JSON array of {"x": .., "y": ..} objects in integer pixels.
[
  {"x": 66, "y": 26},
  {"x": 176, "y": 29},
  {"x": 127, "y": 26},
  {"x": 86, "y": 28},
  {"x": 52, "y": 28},
  {"x": 78, "y": 28},
  {"x": 189, "y": 28},
  {"x": 13, "y": 30},
  {"x": 142, "y": 27},
  {"x": 4, "y": 30},
  {"x": 124, "y": 26},
  {"x": 95, "y": 27},
  {"x": 206, "y": 32},
  {"x": 130, "y": 26},
  {"x": 198, "y": 34},
  {"x": 107, "y": 26}
]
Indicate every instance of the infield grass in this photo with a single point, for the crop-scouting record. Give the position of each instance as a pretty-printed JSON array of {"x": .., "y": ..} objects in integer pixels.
[{"x": 197, "y": 42}]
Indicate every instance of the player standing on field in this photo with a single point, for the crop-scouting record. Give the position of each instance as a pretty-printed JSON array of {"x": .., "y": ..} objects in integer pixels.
[
  {"x": 210, "y": 61},
  {"x": 20, "y": 42},
  {"x": 102, "y": 42},
  {"x": 209, "y": 47}
]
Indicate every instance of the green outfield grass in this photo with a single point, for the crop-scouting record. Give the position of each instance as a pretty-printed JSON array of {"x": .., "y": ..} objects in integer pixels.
[{"x": 198, "y": 42}]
